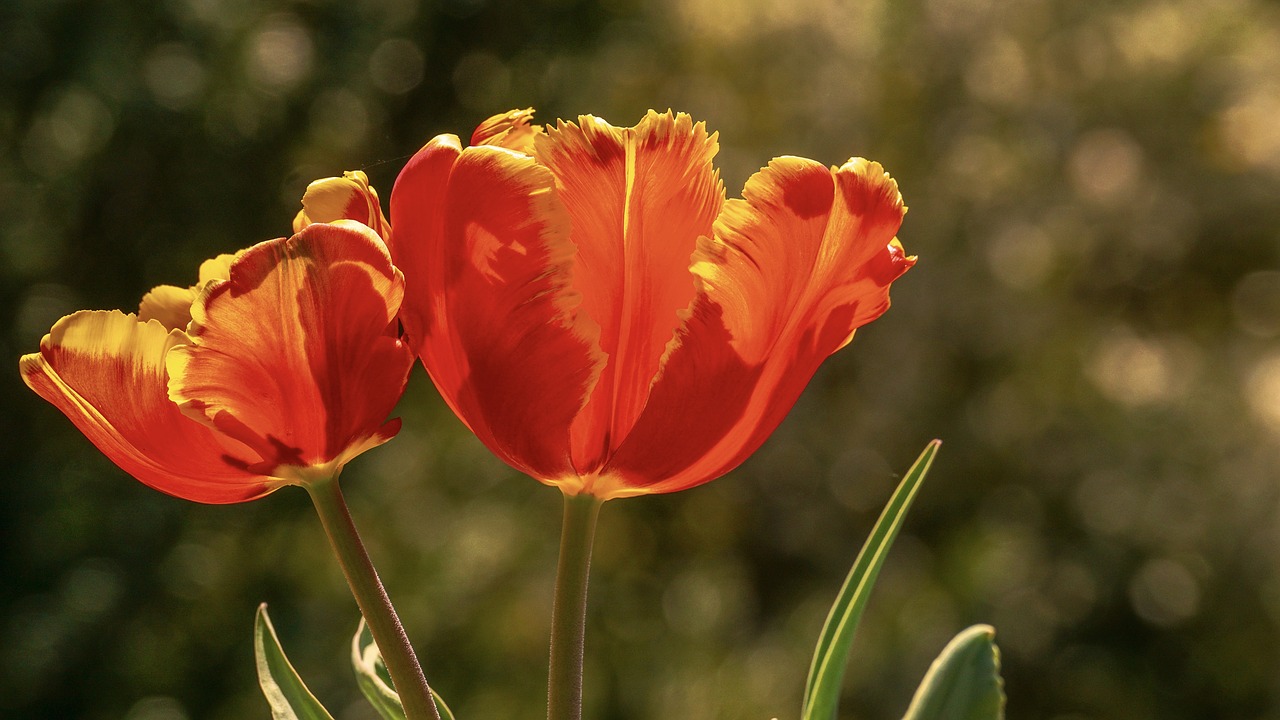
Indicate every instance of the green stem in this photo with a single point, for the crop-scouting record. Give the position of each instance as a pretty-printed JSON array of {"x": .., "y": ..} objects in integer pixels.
[
  {"x": 372, "y": 598},
  {"x": 569, "y": 612}
]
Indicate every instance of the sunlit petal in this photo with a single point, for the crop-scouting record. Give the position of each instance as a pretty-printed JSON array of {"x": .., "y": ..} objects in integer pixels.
[
  {"x": 511, "y": 130},
  {"x": 489, "y": 306},
  {"x": 292, "y": 355},
  {"x": 171, "y": 305},
  {"x": 638, "y": 199},
  {"x": 105, "y": 371},
  {"x": 349, "y": 197},
  {"x": 217, "y": 268},
  {"x": 794, "y": 268}
]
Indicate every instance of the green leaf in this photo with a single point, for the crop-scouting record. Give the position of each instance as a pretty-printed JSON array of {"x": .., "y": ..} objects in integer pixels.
[
  {"x": 964, "y": 682},
  {"x": 375, "y": 682},
  {"x": 286, "y": 693},
  {"x": 826, "y": 672}
]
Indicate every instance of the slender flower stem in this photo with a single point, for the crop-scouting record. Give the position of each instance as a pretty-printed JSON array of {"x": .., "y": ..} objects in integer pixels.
[
  {"x": 372, "y": 598},
  {"x": 569, "y": 612}
]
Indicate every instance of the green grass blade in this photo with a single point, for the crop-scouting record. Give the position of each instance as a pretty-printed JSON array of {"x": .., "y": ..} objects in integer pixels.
[
  {"x": 826, "y": 672},
  {"x": 964, "y": 682},
  {"x": 287, "y": 695},
  {"x": 375, "y": 683}
]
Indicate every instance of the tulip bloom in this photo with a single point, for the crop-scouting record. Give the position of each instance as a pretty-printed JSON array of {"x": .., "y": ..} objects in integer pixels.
[
  {"x": 277, "y": 368},
  {"x": 604, "y": 320}
]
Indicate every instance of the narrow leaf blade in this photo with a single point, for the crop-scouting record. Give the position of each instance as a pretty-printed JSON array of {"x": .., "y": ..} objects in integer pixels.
[
  {"x": 964, "y": 683},
  {"x": 287, "y": 695},
  {"x": 826, "y": 672},
  {"x": 375, "y": 682}
]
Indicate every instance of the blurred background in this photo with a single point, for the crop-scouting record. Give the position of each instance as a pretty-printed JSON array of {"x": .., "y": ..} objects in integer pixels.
[{"x": 1093, "y": 329}]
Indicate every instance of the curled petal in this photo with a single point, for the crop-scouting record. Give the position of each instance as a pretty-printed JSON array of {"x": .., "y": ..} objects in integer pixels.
[
  {"x": 349, "y": 197},
  {"x": 105, "y": 371},
  {"x": 489, "y": 306},
  {"x": 171, "y": 305},
  {"x": 216, "y": 268},
  {"x": 292, "y": 355},
  {"x": 511, "y": 130},
  {"x": 805, "y": 259},
  {"x": 638, "y": 199}
]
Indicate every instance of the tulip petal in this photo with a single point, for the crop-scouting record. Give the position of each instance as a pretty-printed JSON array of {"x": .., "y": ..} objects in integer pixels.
[
  {"x": 105, "y": 371},
  {"x": 349, "y": 197},
  {"x": 638, "y": 199},
  {"x": 795, "y": 267},
  {"x": 489, "y": 307},
  {"x": 292, "y": 355},
  {"x": 216, "y": 268},
  {"x": 171, "y": 305},
  {"x": 511, "y": 130}
]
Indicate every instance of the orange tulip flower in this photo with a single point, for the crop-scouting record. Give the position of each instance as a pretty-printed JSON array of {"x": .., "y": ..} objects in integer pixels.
[
  {"x": 278, "y": 367},
  {"x": 591, "y": 306}
]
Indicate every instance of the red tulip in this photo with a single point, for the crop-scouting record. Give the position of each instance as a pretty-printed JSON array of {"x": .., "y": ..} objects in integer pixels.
[
  {"x": 591, "y": 306},
  {"x": 278, "y": 367}
]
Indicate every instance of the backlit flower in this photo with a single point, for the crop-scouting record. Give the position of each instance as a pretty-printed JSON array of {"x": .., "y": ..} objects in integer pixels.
[
  {"x": 279, "y": 366},
  {"x": 592, "y": 307}
]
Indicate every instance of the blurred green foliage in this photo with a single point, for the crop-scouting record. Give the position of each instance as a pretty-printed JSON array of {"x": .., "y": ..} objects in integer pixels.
[{"x": 1093, "y": 329}]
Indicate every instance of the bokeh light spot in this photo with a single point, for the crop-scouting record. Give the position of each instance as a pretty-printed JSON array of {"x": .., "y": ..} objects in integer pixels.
[
  {"x": 281, "y": 54},
  {"x": 1131, "y": 371},
  {"x": 999, "y": 75},
  {"x": 1250, "y": 131},
  {"x": 1157, "y": 34},
  {"x": 1262, "y": 391},
  {"x": 396, "y": 66},
  {"x": 1164, "y": 593},
  {"x": 1105, "y": 166},
  {"x": 174, "y": 75},
  {"x": 1137, "y": 371},
  {"x": 1021, "y": 256},
  {"x": 76, "y": 125}
]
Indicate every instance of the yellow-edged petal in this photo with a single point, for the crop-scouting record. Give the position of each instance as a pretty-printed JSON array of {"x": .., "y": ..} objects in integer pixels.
[
  {"x": 296, "y": 355},
  {"x": 105, "y": 372},
  {"x": 638, "y": 199},
  {"x": 512, "y": 130},
  {"x": 794, "y": 268},
  {"x": 349, "y": 197}
]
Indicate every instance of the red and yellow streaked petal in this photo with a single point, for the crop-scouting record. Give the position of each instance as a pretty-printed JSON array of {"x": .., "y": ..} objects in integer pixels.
[
  {"x": 349, "y": 197},
  {"x": 489, "y": 306},
  {"x": 512, "y": 130},
  {"x": 638, "y": 199},
  {"x": 794, "y": 268},
  {"x": 105, "y": 371},
  {"x": 294, "y": 355}
]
